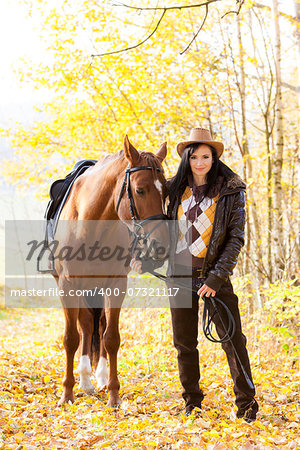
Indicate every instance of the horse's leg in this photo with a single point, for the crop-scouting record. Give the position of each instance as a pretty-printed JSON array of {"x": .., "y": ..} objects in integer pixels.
[
  {"x": 112, "y": 344},
  {"x": 102, "y": 370},
  {"x": 86, "y": 322},
  {"x": 71, "y": 342}
]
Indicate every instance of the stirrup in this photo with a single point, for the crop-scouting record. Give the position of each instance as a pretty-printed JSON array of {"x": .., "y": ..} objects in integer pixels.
[{"x": 51, "y": 261}]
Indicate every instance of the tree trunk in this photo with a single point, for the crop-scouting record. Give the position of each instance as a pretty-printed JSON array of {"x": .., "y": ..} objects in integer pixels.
[
  {"x": 268, "y": 113},
  {"x": 278, "y": 159},
  {"x": 249, "y": 171},
  {"x": 297, "y": 12},
  {"x": 208, "y": 113},
  {"x": 270, "y": 200}
]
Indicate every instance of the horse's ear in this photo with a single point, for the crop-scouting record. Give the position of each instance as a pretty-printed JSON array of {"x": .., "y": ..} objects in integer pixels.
[
  {"x": 162, "y": 152},
  {"x": 131, "y": 154}
]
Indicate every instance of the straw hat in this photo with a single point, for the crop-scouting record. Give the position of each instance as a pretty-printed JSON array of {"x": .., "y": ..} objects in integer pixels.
[{"x": 201, "y": 136}]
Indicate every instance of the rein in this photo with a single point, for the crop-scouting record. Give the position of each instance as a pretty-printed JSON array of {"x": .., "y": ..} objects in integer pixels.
[{"x": 138, "y": 232}]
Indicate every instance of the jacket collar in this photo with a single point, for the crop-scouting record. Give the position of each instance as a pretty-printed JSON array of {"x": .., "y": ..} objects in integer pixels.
[
  {"x": 235, "y": 182},
  {"x": 232, "y": 181}
]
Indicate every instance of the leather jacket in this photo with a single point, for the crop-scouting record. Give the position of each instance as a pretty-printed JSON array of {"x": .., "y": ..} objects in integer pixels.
[{"x": 227, "y": 236}]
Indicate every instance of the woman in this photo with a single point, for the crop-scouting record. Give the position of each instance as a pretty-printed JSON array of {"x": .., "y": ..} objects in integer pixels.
[{"x": 207, "y": 208}]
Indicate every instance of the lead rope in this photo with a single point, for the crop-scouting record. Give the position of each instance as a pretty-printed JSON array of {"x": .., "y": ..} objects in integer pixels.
[{"x": 207, "y": 319}]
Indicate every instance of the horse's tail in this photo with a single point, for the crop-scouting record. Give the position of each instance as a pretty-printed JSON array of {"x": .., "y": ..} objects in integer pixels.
[
  {"x": 95, "y": 304},
  {"x": 95, "y": 347}
]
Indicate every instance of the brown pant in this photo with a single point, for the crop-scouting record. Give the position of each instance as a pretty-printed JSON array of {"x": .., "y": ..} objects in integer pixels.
[{"x": 185, "y": 336}]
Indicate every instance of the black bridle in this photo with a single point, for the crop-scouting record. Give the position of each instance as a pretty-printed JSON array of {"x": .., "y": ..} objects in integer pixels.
[{"x": 138, "y": 230}]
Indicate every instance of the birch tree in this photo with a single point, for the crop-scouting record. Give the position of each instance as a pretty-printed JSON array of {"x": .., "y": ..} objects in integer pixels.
[{"x": 279, "y": 237}]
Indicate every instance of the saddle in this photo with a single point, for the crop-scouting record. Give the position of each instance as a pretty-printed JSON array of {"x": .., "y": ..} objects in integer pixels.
[{"x": 59, "y": 191}]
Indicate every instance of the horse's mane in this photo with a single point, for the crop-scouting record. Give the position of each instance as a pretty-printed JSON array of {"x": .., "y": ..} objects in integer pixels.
[
  {"x": 151, "y": 160},
  {"x": 112, "y": 156},
  {"x": 148, "y": 159}
]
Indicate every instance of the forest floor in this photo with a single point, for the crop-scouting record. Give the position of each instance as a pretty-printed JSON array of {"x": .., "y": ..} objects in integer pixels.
[{"x": 151, "y": 415}]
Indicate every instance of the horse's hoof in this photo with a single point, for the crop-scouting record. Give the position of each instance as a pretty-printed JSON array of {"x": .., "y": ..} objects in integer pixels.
[
  {"x": 66, "y": 399},
  {"x": 101, "y": 383},
  {"x": 87, "y": 387},
  {"x": 115, "y": 403}
]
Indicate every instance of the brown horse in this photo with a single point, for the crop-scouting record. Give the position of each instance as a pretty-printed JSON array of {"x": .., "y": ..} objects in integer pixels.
[{"x": 122, "y": 192}]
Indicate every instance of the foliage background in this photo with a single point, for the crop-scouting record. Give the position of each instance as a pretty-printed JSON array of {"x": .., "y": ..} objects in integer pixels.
[
  {"x": 232, "y": 80},
  {"x": 239, "y": 78}
]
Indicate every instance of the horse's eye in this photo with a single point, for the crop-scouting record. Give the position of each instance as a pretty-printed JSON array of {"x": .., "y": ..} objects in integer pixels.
[{"x": 140, "y": 191}]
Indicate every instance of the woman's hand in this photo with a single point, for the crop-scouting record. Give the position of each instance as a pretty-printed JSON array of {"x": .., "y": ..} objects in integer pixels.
[
  {"x": 136, "y": 265},
  {"x": 205, "y": 290}
]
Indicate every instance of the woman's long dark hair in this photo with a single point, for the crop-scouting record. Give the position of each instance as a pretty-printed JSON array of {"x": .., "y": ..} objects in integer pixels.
[{"x": 179, "y": 182}]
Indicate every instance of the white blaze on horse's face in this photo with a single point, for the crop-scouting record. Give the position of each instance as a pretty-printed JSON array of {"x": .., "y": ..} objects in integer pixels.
[{"x": 158, "y": 186}]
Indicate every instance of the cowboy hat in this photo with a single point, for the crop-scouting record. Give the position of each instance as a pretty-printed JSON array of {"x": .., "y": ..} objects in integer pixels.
[{"x": 201, "y": 136}]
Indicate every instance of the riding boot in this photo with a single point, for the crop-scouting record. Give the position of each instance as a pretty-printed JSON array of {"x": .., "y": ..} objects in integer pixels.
[{"x": 185, "y": 338}]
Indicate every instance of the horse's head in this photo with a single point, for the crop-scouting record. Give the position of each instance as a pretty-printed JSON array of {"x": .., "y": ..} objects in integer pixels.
[{"x": 140, "y": 199}]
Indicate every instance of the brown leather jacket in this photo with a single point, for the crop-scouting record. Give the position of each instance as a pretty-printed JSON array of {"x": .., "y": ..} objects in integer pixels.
[{"x": 227, "y": 236}]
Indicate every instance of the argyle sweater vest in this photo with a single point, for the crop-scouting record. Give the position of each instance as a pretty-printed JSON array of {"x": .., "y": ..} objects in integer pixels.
[{"x": 194, "y": 235}]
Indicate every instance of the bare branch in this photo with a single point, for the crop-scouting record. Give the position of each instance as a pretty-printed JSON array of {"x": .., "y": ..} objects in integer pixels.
[
  {"x": 134, "y": 46},
  {"x": 166, "y": 8},
  {"x": 290, "y": 86},
  {"x": 196, "y": 34},
  {"x": 287, "y": 16},
  {"x": 241, "y": 2}
]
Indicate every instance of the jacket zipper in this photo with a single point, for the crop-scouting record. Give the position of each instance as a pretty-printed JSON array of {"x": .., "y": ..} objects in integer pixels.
[{"x": 214, "y": 222}]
